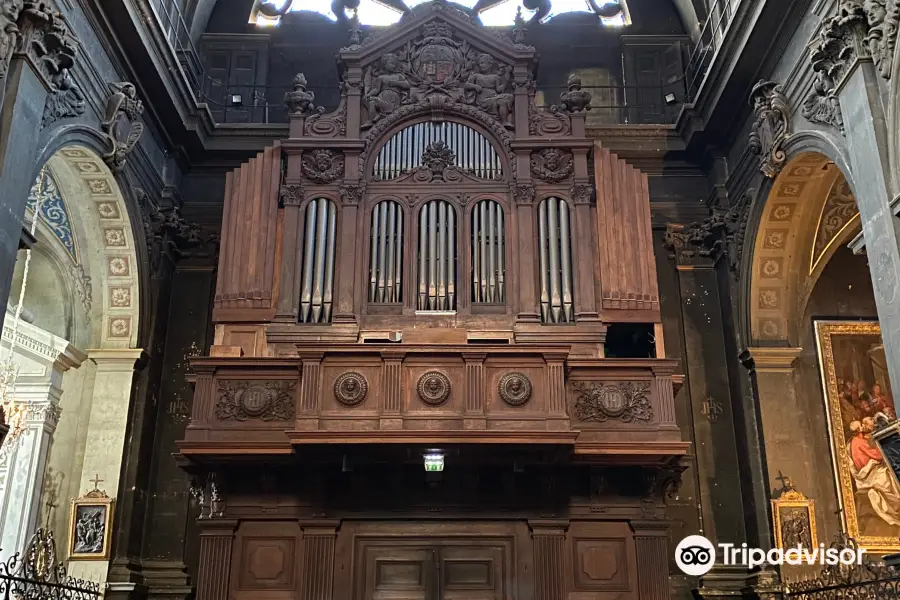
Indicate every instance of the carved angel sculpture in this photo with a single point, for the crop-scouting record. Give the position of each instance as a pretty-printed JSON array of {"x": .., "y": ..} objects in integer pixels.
[
  {"x": 386, "y": 90},
  {"x": 120, "y": 123},
  {"x": 9, "y": 35},
  {"x": 491, "y": 89}
]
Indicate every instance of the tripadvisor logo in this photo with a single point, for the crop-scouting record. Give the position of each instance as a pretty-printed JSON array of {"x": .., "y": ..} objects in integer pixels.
[{"x": 695, "y": 555}]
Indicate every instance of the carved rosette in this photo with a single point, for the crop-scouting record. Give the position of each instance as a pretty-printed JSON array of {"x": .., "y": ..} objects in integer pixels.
[
  {"x": 433, "y": 388},
  {"x": 598, "y": 402},
  {"x": 351, "y": 388},
  {"x": 323, "y": 166},
  {"x": 552, "y": 165},
  {"x": 241, "y": 400},
  {"x": 515, "y": 389}
]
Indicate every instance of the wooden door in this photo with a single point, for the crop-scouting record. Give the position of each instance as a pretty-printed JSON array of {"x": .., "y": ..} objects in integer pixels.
[{"x": 441, "y": 570}]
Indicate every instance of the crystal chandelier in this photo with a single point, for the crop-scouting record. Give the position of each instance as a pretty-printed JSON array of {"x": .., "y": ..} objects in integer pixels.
[{"x": 14, "y": 412}]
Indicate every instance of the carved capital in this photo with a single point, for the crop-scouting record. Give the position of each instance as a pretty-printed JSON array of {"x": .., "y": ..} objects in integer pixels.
[
  {"x": 771, "y": 128},
  {"x": 351, "y": 194},
  {"x": 524, "y": 194},
  {"x": 582, "y": 193},
  {"x": 291, "y": 194}
]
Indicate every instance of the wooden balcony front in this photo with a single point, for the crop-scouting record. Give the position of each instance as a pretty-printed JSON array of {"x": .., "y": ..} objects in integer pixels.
[{"x": 602, "y": 410}]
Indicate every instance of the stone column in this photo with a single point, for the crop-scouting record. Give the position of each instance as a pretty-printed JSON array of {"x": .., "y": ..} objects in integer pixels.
[
  {"x": 30, "y": 85},
  {"x": 866, "y": 133},
  {"x": 105, "y": 442},
  {"x": 42, "y": 358}
]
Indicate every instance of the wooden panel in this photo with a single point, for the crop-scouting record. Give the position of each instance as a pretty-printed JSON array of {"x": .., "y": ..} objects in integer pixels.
[
  {"x": 472, "y": 572},
  {"x": 267, "y": 560},
  {"x": 391, "y": 573},
  {"x": 249, "y": 222},
  {"x": 602, "y": 561},
  {"x": 627, "y": 263}
]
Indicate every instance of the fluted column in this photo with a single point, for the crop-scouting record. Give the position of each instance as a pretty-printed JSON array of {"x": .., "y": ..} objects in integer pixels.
[
  {"x": 317, "y": 576},
  {"x": 474, "y": 391},
  {"x": 391, "y": 390},
  {"x": 288, "y": 308},
  {"x": 214, "y": 571},
  {"x": 549, "y": 539},
  {"x": 556, "y": 402},
  {"x": 310, "y": 384},
  {"x": 526, "y": 304},
  {"x": 42, "y": 359},
  {"x": 651, "y": 549}
]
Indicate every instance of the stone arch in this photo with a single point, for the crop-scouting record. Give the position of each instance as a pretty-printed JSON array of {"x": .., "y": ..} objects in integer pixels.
[{"x": 808, "y": 212}]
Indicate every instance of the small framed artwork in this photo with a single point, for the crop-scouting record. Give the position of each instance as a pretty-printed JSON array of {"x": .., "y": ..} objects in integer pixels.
[
  {"x": 90, "y": 526},
  {"x": 794, "y": 517}
]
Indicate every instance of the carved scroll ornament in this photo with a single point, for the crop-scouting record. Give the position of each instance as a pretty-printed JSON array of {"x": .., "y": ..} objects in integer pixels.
[
  {"x": 598, "y": 402},
  {"x": 120, "y": 124},
  {"x": 240, "y": 400},
  {"x": 771, "y": 128}
]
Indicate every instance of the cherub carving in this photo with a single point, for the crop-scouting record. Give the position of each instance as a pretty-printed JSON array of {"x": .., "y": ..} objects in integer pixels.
[
  {"x": 386, "y": 90},
  {"x": 551, "y": 165},
  {"x": 490, "y": 87}
]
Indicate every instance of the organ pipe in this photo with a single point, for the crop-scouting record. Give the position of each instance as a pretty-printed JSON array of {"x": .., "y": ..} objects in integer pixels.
[
  {"x": 403, "y": 151},
  {"x": 437, "y": 257},
  {"x": 555, "y": 255},
  {"x": 317, "y": 287},
  {"x": 385, "y": 259},
  {"x": 488, "y": 260}
]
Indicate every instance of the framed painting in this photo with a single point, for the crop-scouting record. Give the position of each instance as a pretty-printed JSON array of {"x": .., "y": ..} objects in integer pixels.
[
  {"x": 856, "y": 390},
  {"x": 90, "y": 526},
  {"x": 794, "y": 521}
]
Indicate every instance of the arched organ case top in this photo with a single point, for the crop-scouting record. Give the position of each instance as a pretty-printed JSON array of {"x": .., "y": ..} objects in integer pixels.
[{"x": 402, "y": 152}]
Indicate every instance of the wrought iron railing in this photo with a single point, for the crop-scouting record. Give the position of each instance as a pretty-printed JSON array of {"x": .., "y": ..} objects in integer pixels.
[
  {"x": 625, "y": 104},
  {"x": 36, "y": 575},
  {"x": 721, "y": 14},
  {"x": 178, "y": 35}
]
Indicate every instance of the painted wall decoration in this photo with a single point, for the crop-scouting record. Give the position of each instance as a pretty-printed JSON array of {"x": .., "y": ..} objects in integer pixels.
[
  {"x": 856, "y": 388},
  {"x": 53, "y": 211}
]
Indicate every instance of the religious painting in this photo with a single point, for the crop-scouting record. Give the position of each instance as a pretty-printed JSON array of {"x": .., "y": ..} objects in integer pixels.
[
  {"x": 857, "y": 390},
  {"x": 794, "y": 519},
  {"x": 90, "y": 526}
]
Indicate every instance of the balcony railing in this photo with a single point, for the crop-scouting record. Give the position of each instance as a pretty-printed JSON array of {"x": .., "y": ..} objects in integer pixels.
[
  {"x": 610, "y": 105},
  {"x": 178, "y": 35},
  {"x": 721, "y": 14}
]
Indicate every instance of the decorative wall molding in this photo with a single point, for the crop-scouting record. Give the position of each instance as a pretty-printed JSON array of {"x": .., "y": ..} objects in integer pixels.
[
  {"x": 771, "y": 128},
  {"x": 601, "y": 401},
  {"x": 120, "y": 124},
  {"x": 240, "y": 400}
]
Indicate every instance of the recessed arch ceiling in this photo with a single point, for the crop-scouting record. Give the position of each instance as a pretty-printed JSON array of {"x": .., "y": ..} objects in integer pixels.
[{"x": 493, "y": 13}]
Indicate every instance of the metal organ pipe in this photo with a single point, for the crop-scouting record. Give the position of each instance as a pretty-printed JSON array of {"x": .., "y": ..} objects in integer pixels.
[
  {"x": 403, "y": 151},
  {"x": 437, "y": 257},
  {"x": 488, "y": 259},
  {"x": 386, "y": 255},
  {"x": 554, "y": 233},
  {"x": 317, "y": 288}
]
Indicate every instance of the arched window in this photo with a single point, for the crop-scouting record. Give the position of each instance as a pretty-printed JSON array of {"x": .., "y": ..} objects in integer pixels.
[
  {"x": 317, "y": 280},
  {"x": 488, "y": 256},
  {"x": 386, "y": 257},
  {"x": 554, "y": 237},
  {"x": 437, "y": 257}
]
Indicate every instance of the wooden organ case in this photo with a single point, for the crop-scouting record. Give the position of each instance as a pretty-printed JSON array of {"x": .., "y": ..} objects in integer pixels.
[{"x": 436, "y": 267}]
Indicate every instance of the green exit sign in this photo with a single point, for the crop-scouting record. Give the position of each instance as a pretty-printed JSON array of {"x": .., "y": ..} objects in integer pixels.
[{"x": 434, "y": 462}]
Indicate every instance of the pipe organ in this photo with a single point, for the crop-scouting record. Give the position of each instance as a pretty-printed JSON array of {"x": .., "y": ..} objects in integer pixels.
[{"x": 434, "y": 265}]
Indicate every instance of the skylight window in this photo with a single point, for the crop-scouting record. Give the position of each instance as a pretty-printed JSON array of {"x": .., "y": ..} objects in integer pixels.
[{"x": 379, "y": 13}]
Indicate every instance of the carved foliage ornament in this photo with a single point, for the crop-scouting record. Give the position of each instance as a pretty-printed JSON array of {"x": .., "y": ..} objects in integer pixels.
[
  {"x": 433, "y": 388},
  {"x": 323, "y": 166},
  {"x": 240, "y": 400},
  {"x": 351, "y": 388},
  {"x": 120, "y": 123},
  {"x": 552, "y": 165},
  {"x": 438, "y": 163},
  {"x": 515, "y": 389},
  {"x": 598, "y": 402},
  {"x": 771, "y": 128}
]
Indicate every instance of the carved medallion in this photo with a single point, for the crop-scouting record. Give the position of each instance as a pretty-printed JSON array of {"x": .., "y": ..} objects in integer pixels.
[
  {"x": 552, "y": 165},
  {"x": 323, "y": 166},
  {"x": 350, "y": 389},
  {"x": 515, "y": 389},
  {"x": 433, "y": 388},
  {"x": 239, "y": 400},
  {"x": 598, "y": 402}
]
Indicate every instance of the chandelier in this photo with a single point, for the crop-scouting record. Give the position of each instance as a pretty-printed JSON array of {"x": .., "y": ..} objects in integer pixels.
[{"x": 12, "y": 411}]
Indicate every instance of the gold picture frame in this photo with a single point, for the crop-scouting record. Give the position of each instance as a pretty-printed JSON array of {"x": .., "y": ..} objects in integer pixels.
[
  {"x": 855, "y": 388},
  {"x": 90, "y": 526},
  {"x": 794, "y": 519}
]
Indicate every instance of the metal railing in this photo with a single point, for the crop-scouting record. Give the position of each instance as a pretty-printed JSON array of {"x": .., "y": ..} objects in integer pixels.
[
  {"x": 178, "y": 35},
  {"x": 258, "y": 103},
  {"x": 625, "y": 104},
  {"x": 721, "y": 14},
  {"x": 35, "y": 574}
]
